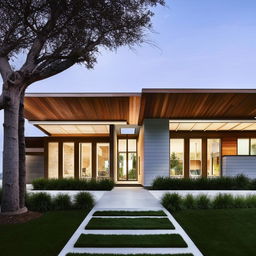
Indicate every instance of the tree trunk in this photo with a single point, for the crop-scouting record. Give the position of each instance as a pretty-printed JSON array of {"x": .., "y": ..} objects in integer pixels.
[
  {"x": 22, "y": 155},
  {"x": 10, "y": 198}
]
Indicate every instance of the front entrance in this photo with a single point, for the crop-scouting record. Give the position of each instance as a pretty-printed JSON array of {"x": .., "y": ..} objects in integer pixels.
[{"x": 127, "y": 160}]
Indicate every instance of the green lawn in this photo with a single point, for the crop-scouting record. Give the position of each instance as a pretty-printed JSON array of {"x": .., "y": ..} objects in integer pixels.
[
  {"x": 226, "y": 232},
  {"x": 129, "y": 223},
  {"x": 129, "y": 213},
  {"x": 172, "y": 240},
  {"x": 45, "y": 236}
]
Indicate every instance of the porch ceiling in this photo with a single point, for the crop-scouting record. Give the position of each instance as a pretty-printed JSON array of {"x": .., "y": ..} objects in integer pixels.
[
  {"x": 74, "y": 129},
  {"x": 198, "y": 104},
  {"x": 214, "y": 125}
]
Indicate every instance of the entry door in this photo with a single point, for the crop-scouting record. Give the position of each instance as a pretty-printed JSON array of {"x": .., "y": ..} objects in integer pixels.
[{"x": 127, "y": 160}]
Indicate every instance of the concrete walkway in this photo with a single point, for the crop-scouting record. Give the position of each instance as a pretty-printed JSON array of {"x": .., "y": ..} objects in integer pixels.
[{"x": 129, "y": 198}]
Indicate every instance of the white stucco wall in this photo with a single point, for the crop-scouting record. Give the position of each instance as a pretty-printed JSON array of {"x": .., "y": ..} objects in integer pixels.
[
  {"x": 156, "y": 149},
  {"x": 235, "y": 165}
]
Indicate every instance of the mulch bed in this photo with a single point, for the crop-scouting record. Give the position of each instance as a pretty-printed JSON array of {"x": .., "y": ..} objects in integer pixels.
[{"x": 21, "y": 218}]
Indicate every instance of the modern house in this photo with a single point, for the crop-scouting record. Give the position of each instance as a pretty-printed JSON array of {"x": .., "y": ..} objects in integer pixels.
[{"x": 135, "y": 137}]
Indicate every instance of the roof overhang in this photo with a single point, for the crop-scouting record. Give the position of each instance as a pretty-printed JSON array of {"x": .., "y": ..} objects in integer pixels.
[{"x": 212, "y": 104}]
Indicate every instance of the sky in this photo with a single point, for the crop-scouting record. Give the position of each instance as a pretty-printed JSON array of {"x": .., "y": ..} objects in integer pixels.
[{"x": 195, "y": 44}]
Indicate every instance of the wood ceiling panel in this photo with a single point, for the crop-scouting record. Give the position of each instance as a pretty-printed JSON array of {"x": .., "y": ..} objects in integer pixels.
[
  {"x": 191, "y": 105},
  {"x": 77, "y": 108}
]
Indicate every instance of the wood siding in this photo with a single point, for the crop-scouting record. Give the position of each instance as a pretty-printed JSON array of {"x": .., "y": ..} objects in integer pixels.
[{"x": 229, "y": 146}]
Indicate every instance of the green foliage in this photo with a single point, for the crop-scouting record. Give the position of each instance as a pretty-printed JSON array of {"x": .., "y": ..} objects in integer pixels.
[
  {"x": 172, "y": 202},
  {"x": 222, "y": 201},
  {"x": 176, "y": 164},
  {"x": 72, "y": 184},
  {"x": 219, "y": 183},
  {"x": 62, "y": 202},
  {"x": 189, "y": 202},
  {"x": 84, "y": 200},
  {"x": 251, "y": 201},
  {"x": 40, "y": 202},
  {"x": 202, "y": 202}
]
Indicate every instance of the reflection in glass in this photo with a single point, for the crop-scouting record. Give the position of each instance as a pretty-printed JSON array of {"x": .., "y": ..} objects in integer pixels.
[
  {"x": 122, "y": 166},
  {"x": 253, "y": 146},
  {"x": 122, "y": 145},
  {"x": 85, "y": 166},
  {"x": 213, "y": 157},
  {"x": 176, "y": 157},
  {"x": 132, "y": 145},
  {"x": 243, "y": 146},
  {"x": 53, "y": 160},
  {"x": 102, "y": 160},
  {"x": 68, "y": 160},
  {"x": 195, "y": 157},
  {"x": 132, "y": 166}
]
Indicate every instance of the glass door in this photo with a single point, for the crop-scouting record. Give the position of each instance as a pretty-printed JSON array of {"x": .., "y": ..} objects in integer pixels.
[
  {"x": 127, "y": 160},
  {"x": 85, "y": 160}
]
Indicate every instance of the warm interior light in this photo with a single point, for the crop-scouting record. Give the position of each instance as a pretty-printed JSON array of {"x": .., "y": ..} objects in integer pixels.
[{"x": 127, "y": 130}]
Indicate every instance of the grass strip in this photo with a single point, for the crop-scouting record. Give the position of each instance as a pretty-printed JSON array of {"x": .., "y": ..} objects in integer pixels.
[
  {"x": 129, "y": 213},
  {"x": 129, "y": 223},
  {"x": 118, "y": 241},
  {"x": 103, "y": 254}
]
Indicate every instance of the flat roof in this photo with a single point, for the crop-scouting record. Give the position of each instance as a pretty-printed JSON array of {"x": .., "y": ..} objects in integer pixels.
[{"x": 133, "y": 108}]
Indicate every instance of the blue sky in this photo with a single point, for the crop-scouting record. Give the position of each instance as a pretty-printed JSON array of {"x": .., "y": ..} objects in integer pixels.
[{"x": 199, "y": 44}]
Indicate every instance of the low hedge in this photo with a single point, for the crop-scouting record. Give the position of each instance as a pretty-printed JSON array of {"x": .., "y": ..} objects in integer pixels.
[
  {"x": 174, "y": 202},
  {"x": 43, "y": 202},
  {"x": 220, "y": 183},
  {"x": 72, "y": 184}
]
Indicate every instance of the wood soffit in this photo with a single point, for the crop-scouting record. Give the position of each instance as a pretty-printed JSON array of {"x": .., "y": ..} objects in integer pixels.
[{"x": 135, "y": 107}]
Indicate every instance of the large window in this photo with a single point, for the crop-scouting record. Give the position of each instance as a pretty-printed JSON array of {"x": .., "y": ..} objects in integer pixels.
[
  {"x": 246, "y": 146},
  {"x": 68, "y": 160},
  {"x": 176, "y": 157},
  {"x": 213, "y": 157},
  {"x": 102, "y": 161},
  {"x": 195, "y": 157},
  {"x": 53, "y": 160},
  {"x": 127, "y": 159},
  {"x": 85, "y": 159}
]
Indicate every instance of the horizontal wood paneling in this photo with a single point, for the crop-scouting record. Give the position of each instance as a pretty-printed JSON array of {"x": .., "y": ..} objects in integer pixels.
[
  {"x": 229, "y": 146},
  {"x": 196, "y": 105}
]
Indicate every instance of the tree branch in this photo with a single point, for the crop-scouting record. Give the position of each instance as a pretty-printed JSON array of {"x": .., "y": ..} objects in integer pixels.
[{"x": 5, "y": 68}]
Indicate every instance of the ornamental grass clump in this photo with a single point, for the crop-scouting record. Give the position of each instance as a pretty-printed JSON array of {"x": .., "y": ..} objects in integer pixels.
[
  {"x": 239, "y": 182},
  {"x": 84, "y": 201},
  {"x": 172, "y": 202},
  {"x": 62, "y": 202},
  {"x": 203, "y": 202},
  {"x": 223, "y": 201},
  {"x": 72, "y": 184},
  {"x": 40, "y": 202},
  {"x": 251, "y": 201},
  {"x": 189, "y": 202}
]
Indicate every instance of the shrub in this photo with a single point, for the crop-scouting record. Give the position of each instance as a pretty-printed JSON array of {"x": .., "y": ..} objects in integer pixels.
[
  {"x": 62, "y": 202},
  {"x": 218, "y": 183},
  {"x": 222, "y": 201},
  {"x": 84, "y": 200},
  {"x": 72, "y": 184},
  {"x": 189, "y": 201},
  {"x": 240, "y": 202},
  {"x": 39, "y": 202},
  {"x": 203, "y": 202},
  {"x": 250, "y": 201},
  {"x": 172, "y": 202}
]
